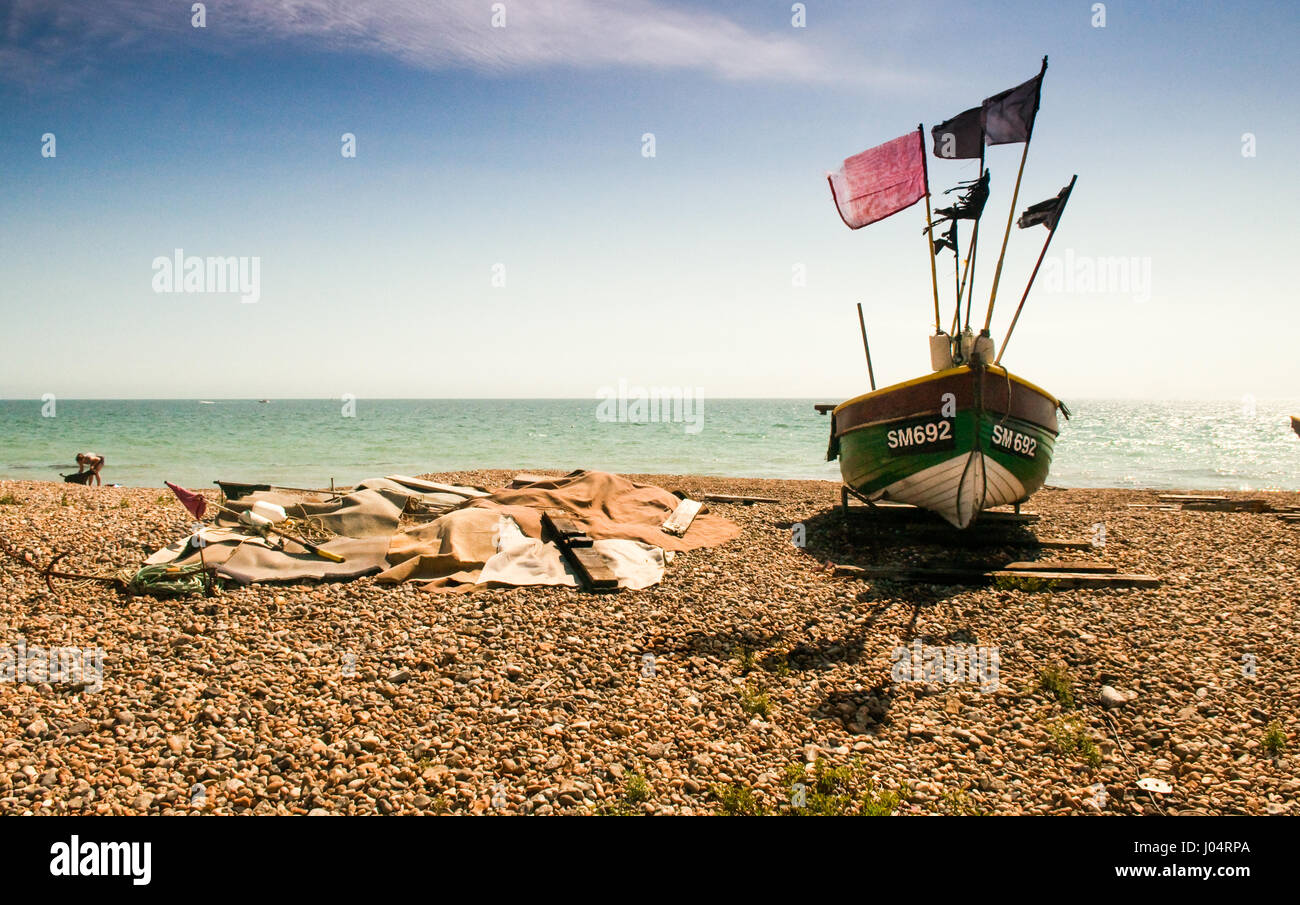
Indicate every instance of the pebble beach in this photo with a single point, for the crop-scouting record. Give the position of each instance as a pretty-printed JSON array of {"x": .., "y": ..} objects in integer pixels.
[{"x": 756, "y": 678}]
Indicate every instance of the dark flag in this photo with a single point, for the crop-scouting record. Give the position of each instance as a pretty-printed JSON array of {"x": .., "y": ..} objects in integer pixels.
[
  {"x": 1046, "y": 212},
  {"x": 961, "y": 137},
  {"x": 948, "y": 240},
  {"x": 970, "y": 205},
  {"x": 1009, "y": 117}
]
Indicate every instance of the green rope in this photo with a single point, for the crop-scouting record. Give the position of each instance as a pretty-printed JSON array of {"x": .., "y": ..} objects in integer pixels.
[{"x": 166, "y": 580}]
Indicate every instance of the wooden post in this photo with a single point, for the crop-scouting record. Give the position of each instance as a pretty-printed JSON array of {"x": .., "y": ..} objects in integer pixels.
[
  {"x": 866, "y": 348},
  {"x": 1042, "y": 254}
]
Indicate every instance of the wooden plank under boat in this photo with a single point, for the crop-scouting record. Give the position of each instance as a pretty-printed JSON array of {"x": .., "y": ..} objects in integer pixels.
[{"x": 955, "y": 442}]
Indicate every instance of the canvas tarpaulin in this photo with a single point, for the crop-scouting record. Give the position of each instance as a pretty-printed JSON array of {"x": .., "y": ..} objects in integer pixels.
[
  {"x": 608, "y": 506},
  {"x": 487, "y": 541},
  {"x": 362, "y": 513},
  {"x": 480, "y": 547},
  {"x": 250, "y": 558}
]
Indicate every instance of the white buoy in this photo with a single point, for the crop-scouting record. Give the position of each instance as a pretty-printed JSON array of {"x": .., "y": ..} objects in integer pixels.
[
  {"x": 272, "y": 512},
  {"x": 253, "y": 520},
  {"x": 940, "y": 351}
]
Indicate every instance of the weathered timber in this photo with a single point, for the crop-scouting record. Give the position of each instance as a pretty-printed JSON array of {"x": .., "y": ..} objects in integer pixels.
[
  {"x": 524, "y": 478},
  {"x": 727, "y": 498},
  {"x": 680, "y": 521},
  {"x": 592, "y": 568},
  {"x": 434, "y": 487},
  {"x": 1059, "y": 566}
]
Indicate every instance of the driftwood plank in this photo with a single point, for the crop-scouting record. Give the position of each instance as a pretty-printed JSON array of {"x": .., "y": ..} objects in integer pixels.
[
  {"x": 524, "y": 478},
  {"x": 566, "y": 529},
  {"x": 592, "y": 568},
  {"x": 978, "y": 576},
  {"x": 1060, "y": 566},
  {"x": 1082, "y": 579},
  {"x": 433, "y": 486},
  {"x": 1225, "y": 505},
  {"x": 727, "y": 498},
  {"x": 680, "y": 521},
  {"x": 1063, "y": 544}
]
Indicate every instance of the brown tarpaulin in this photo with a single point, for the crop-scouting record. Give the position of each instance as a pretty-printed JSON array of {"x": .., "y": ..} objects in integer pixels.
[
  {"x": 454, "y": 548},
  {"x": 608, "y": 506}
]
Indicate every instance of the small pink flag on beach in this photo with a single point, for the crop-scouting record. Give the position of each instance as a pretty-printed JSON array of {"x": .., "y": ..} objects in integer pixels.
[
  {"x": 196, "y": 503},
  {"x": 879, "y": 182}
]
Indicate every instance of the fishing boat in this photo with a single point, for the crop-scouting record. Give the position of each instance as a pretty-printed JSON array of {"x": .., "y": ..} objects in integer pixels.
[
  {"x": 955, "y": 442},
  {"x": 970, "y": 435}
]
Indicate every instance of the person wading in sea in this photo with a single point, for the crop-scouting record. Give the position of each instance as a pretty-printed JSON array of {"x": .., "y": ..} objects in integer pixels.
[{"x": 92, "y": 462}]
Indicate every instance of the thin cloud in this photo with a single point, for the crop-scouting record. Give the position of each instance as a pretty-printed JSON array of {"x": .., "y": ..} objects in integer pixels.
[{"x": 55, "y": 40}]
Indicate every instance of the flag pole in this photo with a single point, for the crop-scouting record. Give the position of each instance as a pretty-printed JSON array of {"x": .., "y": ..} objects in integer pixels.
[
  {"x": 1051, "y": 233},
  {"x": 1015, "y": 195},
  {"x": 866, "y": 348},
  {"x": 974, "y": 243},
  {"x": 929, "y": 231}
]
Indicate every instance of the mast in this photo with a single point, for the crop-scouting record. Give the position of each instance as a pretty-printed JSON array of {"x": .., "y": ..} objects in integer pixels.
[
  {"x": 929, "y": 231},
  {"x": 1015, "y": 195},
  {"x": 1051, "y": 233}
]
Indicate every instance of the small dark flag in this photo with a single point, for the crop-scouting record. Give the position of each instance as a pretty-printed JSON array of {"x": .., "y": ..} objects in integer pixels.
[
  {"x": 961, "y": 137},
  {"x": 1046, "y": 212},
  {"x": 196, "y": 503},
  {"x": 1008, "y": 117},
  {"x": 970, "y": 205},
  {"x": 948, "y": 240}
]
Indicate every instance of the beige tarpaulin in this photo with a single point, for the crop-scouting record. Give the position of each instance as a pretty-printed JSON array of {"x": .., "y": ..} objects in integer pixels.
[
  {"x": 362, "y": 513},
  {"x": 248, "y": 558},
  {"x": 475, "y": 547},
  {"x": 470, "y": 546},
  {"x": 488, "y": 541},
  {"x": 608, "y": 506}
]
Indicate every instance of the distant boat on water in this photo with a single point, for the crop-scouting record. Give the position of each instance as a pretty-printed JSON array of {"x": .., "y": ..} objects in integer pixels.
[
  {"x": 264, "y": 400},
  {"x": 206, "y": 402},
  {"x": 1295, "y": 423}
]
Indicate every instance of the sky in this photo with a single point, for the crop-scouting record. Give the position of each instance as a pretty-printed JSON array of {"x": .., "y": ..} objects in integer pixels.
[{"x": 503, "y": 232}]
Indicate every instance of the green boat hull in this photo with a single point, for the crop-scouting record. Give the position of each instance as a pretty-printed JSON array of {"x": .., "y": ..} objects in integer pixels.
[{"x": 955, "y": 443}]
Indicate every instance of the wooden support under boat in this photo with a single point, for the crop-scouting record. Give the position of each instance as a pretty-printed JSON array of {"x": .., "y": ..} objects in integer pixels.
[
  {"x": 1098, "y": 575},
  {"x": 905, "y": 512}
]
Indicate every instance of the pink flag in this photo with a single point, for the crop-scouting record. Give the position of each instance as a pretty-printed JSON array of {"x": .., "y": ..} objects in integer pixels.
[
  {"x": 196, "y": 503},
  {"x": 879, "y": 182}
]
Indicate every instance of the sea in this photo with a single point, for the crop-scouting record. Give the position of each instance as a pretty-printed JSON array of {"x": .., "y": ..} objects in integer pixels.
[{"x": 1211, "y": 445}]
